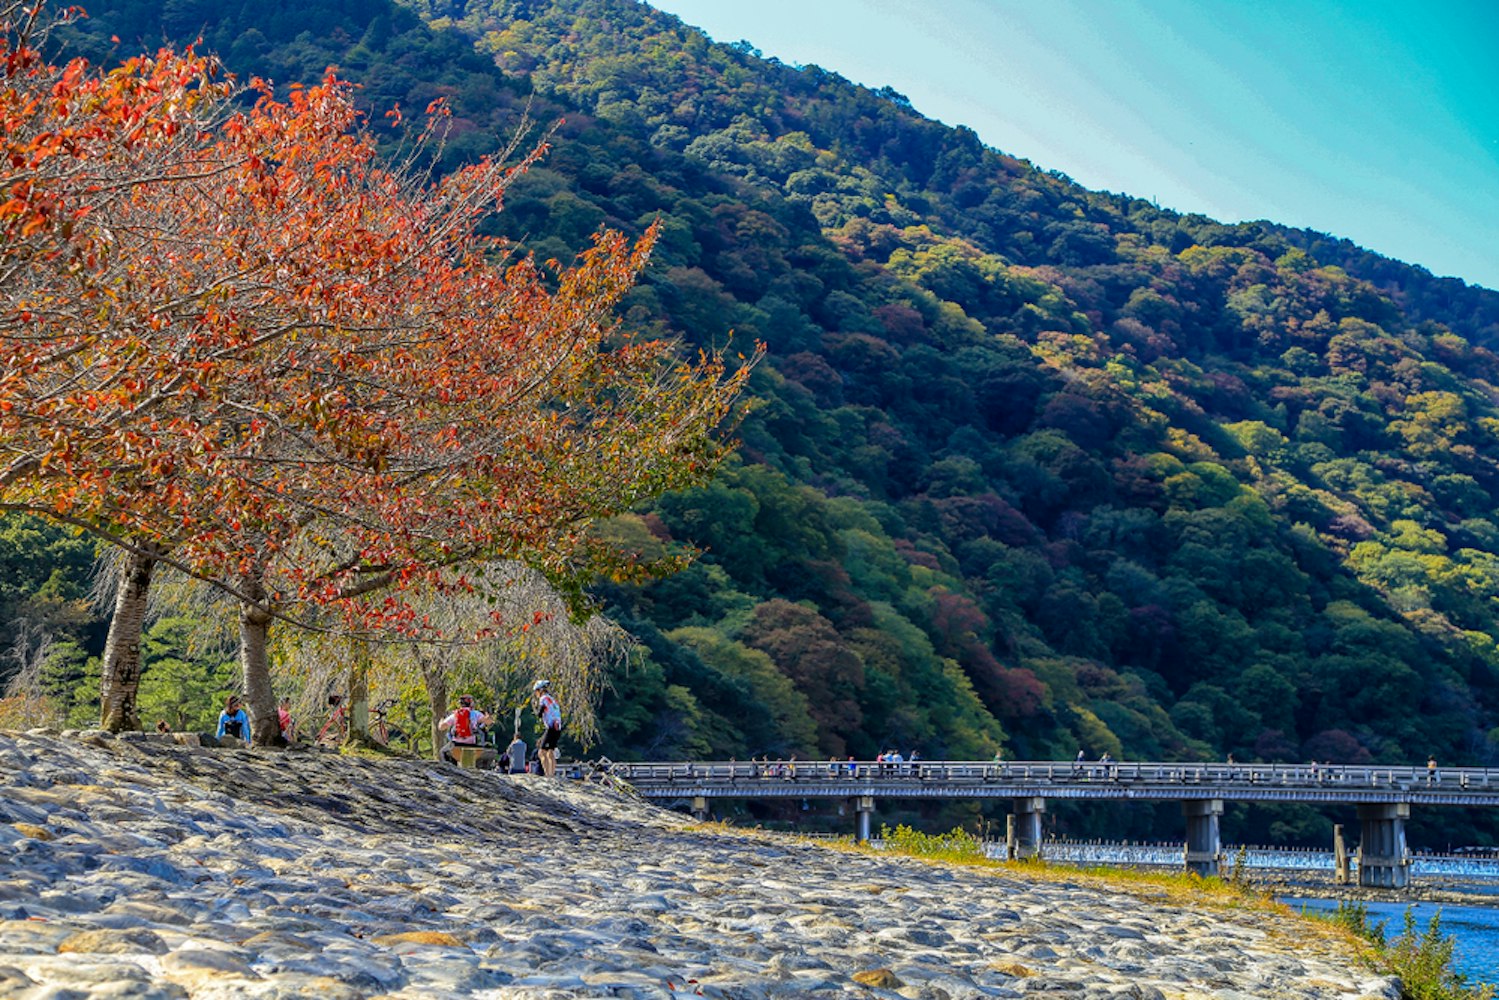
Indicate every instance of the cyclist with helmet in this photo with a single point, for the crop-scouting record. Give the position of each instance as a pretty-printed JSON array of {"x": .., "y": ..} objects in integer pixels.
[
  {"x": 550, "y": 714},
  {"x": 462, "y": 727}
]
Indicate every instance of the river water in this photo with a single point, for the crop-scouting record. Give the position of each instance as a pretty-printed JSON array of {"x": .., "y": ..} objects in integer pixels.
[{"x": 1473, "y": 928}]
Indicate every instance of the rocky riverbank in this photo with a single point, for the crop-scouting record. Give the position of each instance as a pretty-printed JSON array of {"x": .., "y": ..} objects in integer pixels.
[
  {"x": 136, "y": 868},
  {"x": 1321, "y": 885}
]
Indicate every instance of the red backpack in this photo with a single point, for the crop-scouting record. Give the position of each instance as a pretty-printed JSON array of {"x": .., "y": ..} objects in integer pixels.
[{"x": 463, "y": 728}]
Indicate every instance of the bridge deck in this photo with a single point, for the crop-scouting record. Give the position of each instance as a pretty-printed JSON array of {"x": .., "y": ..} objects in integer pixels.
[{"x": 1146, "y": 781}]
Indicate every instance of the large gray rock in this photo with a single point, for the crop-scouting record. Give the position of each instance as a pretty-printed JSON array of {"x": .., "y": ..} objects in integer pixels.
[{"x": 177, "y": 871}]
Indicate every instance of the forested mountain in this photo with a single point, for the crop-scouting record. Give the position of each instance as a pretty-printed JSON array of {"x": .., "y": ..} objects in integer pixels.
[{"x": 1028, "y": 467}]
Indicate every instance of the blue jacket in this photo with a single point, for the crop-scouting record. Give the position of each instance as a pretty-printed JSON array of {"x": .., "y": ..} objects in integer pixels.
[{"x": 244, "y": 721}]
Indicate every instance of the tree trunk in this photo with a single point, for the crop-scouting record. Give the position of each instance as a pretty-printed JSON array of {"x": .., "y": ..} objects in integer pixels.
[
  {"x": 359, "y": 693},
  {"x": 120, "y": 676},
  {"x": 435, "y": 679},
  {"x": 255, "y": 666}
]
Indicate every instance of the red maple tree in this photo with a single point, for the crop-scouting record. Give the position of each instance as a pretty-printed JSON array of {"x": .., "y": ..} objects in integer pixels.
[{"x": 242, "y": 343}]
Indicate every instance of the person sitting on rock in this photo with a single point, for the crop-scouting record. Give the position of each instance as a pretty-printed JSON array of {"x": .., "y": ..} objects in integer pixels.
[
  {"x": 284, "y": 720},
  {"x": 462, "y": 729},
  {"x": 233, "y": 721},
  {"x": 517, "y": 754}
]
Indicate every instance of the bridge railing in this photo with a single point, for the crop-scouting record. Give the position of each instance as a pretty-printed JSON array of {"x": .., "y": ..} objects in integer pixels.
[{"x": 1042, "y": 774}]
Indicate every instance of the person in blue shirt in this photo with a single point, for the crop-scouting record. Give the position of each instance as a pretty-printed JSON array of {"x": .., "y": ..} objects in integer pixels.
[{"x": 233, "y": 721}]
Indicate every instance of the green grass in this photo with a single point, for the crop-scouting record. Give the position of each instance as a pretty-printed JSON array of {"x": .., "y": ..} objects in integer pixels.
[
  {"x": 366, "y": 747},
  {"x": 960, "y": 847},
  {"x": 957, "y": 845}
]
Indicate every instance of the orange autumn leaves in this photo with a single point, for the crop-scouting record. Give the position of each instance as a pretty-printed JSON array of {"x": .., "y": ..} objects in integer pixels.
[{"x": 244, "y": 337}]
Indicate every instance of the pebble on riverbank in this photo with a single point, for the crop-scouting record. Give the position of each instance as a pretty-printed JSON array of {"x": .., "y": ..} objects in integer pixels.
[{"x": 139, "y": 867}]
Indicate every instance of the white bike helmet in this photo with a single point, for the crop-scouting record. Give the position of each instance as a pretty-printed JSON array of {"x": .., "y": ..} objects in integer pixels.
[{"x": 539, "y": 686}]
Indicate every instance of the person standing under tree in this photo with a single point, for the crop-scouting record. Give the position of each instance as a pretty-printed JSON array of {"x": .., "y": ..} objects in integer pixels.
[{"x": 550, "y": 714}]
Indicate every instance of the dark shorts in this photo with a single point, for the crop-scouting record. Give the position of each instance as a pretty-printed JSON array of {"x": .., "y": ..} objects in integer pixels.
[{"x": 549, "y": 740}]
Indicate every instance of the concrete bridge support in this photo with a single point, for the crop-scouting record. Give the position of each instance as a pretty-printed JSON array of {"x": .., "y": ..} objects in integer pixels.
[
  {"x": 1383, "y": 858},
  {"x": 863, "y": 810},
  {"x": 1204, "y": 842},
  {"x": 700, "y": 808},
  {"x": 1027, "y": 815}
]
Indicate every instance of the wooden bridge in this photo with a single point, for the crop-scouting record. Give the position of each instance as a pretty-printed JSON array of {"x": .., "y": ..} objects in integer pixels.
[{"x": 1382, "y": 795}]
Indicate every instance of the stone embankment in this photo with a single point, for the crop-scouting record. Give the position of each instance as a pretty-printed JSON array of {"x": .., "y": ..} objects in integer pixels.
[
  {"x": 1321, "y": 885},
  {"x": 136, "y": 868}
]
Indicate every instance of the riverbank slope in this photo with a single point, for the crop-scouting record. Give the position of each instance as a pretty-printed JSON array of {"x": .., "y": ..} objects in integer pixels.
[{"x": 132, "y": 867}]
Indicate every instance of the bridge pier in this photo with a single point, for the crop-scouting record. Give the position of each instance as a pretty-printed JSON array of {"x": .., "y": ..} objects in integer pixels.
[
  {"x": 1204, "y": 842},
  {"x": 1383, "y": 858},
  {"x": 863, "y": 810},
  {"x": 700, "y": 808},
  {"x": 1028, "y": 811}
]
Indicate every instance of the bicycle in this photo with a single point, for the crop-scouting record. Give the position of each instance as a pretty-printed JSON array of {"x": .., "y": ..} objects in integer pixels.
[
  {"x": 382, "y": 731},
  {"x": 600, "y": 772},
  {"x": 335, "y": 731}
]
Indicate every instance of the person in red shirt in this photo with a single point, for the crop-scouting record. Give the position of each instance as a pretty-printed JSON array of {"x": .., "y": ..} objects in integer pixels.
[
  {"x": 462, "y": 727},
  {"x": 284, "y": 720}
]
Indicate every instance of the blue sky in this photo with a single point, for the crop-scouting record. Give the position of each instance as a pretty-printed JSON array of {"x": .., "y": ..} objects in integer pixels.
[{"x": 1372, "y": 120}]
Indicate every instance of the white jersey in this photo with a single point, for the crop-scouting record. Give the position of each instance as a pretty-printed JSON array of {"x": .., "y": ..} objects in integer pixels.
[{"x": 549, "y": 710}]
